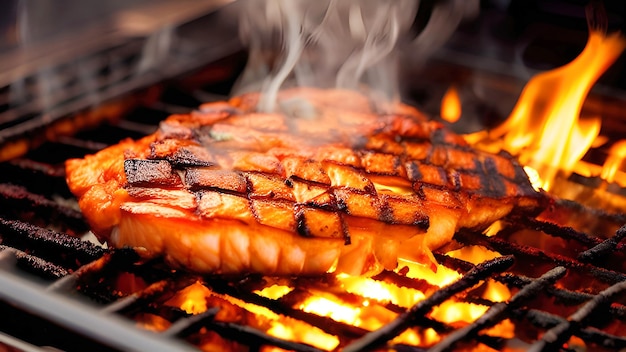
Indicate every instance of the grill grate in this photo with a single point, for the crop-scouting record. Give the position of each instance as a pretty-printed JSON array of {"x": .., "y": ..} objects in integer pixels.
[{"x": 566, "y": 281}]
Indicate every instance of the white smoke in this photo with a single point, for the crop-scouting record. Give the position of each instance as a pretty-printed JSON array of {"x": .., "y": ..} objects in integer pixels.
[
  {"x": 347, "y": 44},
  {"x": 328, "y": 43}
]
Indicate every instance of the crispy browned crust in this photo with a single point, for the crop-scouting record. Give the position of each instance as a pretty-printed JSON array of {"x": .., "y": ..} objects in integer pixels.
[{"x": 327, "y": 169}]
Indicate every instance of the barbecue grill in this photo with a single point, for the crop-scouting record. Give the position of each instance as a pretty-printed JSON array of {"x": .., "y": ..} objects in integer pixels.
[{"x": 61, "y": 290}]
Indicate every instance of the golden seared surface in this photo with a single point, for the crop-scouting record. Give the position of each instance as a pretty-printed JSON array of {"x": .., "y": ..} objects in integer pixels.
[{"x": 327, "y": 183}]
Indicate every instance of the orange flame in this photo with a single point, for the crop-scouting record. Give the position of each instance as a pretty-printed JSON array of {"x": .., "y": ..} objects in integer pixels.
[
  {"x": 544, "y": 129},
  {"x": 381, "y": 291},
  {"x": 451, "y": 105},
  {"x": 613, "y": 164}
]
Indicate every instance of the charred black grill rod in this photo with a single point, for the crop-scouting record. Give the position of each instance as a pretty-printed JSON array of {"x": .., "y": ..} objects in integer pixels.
[
  {"x": 547, "y": 320},
  {"x": 20, "y": 234},
  {"x": 555, "y": 230},
  {"x": 559, "y": 334},
  {"x": 604, "y": 248},
  {"x": 36, "y": 265},
  {"x": 564, "y": 296},
  {"x": 520, "y": 251},
  {"x": 15, "y": 200}
]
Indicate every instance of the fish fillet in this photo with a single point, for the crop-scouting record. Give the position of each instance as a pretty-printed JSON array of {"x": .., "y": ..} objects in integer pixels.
[{"x": 328, "y": 183}]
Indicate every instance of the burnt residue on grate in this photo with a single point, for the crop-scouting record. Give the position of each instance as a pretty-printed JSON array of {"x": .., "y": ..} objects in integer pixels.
[
  {"x": 46, "y": 270},
  {"x": 46, "y": 253},
  {"x": 584, "y": 256},
  {"x": 19, "y": 203},
  {"x": 42, "y": 178},
  {"x": 66, "y": 250},
  {"x": 604, "y": 250}
]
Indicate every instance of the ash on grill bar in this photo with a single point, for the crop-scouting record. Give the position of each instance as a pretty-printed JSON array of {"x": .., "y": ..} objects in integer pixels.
[{"x": 551, "y": 282}]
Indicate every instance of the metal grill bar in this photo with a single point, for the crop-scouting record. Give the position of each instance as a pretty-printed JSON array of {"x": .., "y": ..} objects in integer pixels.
[
  {"x": 563, "y": 296},
  {"x": 547, "y": 320},
  {"x": 559, "y": 334},
  {"x": 48, "y": 243},
  {"x": 19, "y": 344},
  {"x": 15, "y": 200},
  {"x": 602, "y": 249},
  {"x": 506, "y": 247},
  {"x": 36, "y": 265},
  {"x": 117, "y": 332}
]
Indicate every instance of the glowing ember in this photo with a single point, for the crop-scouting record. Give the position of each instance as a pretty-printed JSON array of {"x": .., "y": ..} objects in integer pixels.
[
  {"x": 544, "y": 129},
  {"x": 505, "y": 329},
  {"x": 441, "y": 277},
  {"x": 474, "y": 254},
  {"x": 152, "y": 322},
  {"x": 299, "y": 332},
  {"x": 494, "y": 291},
  {"x": 576, "y": 344},
  {"x": 329, "y": 308},
  {"x": 418, "y": 338},
  {"x": 191, "y": 299},
  {"x": 451, "y": 105},
  {"x": 494, "y": 228},
  {"x": 274, "y": 291},
  {"x": 381, "y": 291},
  {"x": 455, "y": 312}
]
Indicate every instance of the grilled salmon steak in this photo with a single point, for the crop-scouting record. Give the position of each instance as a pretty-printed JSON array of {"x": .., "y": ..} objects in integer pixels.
[{"x": 328, "y": 183}]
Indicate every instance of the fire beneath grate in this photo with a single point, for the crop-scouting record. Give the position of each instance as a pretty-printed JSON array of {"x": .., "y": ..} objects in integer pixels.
[{"x": 526, "y": 284}]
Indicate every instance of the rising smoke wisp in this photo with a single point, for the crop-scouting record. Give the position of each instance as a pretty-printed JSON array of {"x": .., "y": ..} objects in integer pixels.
[{"x": 345, "y": 44}]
